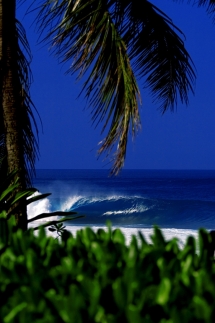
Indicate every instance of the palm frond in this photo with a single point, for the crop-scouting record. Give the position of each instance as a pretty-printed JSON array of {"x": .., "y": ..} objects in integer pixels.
[
  {"x": 28, "y": 121},
  {"x": 157, "y": 52},
  {"x": 112, "y": 39},
  {"x": 111, "y": 87}
]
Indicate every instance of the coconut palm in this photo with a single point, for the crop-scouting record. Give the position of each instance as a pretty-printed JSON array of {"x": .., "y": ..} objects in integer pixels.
[
  {"x": 18, "y": 144},
  {"x": 115, "y": 43}
]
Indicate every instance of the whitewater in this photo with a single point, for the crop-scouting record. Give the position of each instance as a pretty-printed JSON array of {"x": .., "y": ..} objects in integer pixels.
[{"x": 179, "y": 202}]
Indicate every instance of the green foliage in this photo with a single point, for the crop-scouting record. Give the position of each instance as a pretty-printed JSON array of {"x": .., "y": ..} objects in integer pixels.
[
  {"x": 96, "y": 277},
  {"x": 59, "y": 228},
  {"x": 8, "y": 204},
  {"x": 22, "y": 79},
  {"x": 114, "y": 44},
  {"x": 8, "y": 195}
]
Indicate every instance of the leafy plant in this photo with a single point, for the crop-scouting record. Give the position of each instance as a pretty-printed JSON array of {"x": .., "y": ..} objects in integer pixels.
[
  {"x": 97, "y": 277},
  {"x": 9, "y": 199},
  {"x": 58, "y": 228}
]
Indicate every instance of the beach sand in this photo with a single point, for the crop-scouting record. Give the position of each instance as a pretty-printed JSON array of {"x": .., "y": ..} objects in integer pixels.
[{"x": 180, "y": 234}]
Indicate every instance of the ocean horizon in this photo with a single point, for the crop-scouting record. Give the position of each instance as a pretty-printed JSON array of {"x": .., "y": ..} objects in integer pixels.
[{"x": 178, "y": 201}]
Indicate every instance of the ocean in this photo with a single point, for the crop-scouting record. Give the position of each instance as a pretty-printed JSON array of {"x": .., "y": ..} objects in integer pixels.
[{"x": 178, "y": 201}]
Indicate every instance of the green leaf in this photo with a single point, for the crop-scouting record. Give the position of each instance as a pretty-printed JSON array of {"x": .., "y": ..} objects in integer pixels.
[
  {"x": 37, "y": 198},
  {"x": 3, "y": 215},
  {"x": 14, "y": 311},
  {"x": 158, "y": 238},
  {"x": 6, "y": 183},
  {"x": 8, "y": 191},
  {"x": 118, "y": 236},
  {"x": 164, "y": 291},
  {"x": 4, "y": 233},
  {"x": 58, "y": 221},
  {"x": 113, "y": 41},
  {"x": 48, "y": 215},
  {"x": 23, "y": 194}
]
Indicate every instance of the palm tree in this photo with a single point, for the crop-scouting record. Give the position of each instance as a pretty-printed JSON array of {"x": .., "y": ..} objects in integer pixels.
[
  {"x": 115, "y": 43},
  {"x": 17, "y": 141}
]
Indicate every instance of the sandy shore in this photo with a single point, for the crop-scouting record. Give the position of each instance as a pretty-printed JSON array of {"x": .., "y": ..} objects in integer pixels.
[{"x": 180, "y": 234}]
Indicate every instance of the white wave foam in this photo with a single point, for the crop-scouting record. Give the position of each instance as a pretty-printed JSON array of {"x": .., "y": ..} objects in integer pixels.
[
  {"x": 38, "y": 207},
  {"x": 78, "y": 200},
  {"x": 44, "y": 205},
  {"x": 127, "y": 211},
  {"x": 180, "y": 234},
  {"x": 123, "y": 197},
  {"x": 70, "y": 202}
]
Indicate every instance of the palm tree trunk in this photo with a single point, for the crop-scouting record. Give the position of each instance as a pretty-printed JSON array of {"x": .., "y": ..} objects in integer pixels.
[{"x": 10, "y": 100}]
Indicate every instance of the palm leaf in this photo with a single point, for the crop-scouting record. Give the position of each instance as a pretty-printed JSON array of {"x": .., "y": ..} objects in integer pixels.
[
  {"x": 50, "y": 214},
  {"x": 28, "y": 122},
  {"x": 7, "y": 189},
  {"x": 111, "y": 40},
  {"x": 7, "y": 192},
  {"x": 159, "y": 55},
  {"x": 23, "y": 195},
  {"x": 57, "y": 221},
  {"x": 37, "y": 198},
  {"x": 25, "y": 106}
]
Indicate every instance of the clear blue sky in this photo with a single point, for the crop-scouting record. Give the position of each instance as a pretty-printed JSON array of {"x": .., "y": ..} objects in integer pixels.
[{"x": 181, "y": 140}]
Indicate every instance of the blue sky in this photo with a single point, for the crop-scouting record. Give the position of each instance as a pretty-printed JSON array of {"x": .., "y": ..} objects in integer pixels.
[{"x": 184, "y": 139}]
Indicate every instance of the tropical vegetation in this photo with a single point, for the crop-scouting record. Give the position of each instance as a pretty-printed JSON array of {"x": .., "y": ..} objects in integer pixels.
[
  {"x": 10, "y": 200},
  {"x": 115, "y": 44},
  {"x": 97, "y": 277}
]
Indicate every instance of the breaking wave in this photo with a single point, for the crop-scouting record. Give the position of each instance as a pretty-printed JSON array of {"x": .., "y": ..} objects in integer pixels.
[{"x": 130, "y": 211}]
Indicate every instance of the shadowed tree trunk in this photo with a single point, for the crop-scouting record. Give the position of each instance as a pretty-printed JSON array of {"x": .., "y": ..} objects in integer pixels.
[{"x": 11, "y": 100}]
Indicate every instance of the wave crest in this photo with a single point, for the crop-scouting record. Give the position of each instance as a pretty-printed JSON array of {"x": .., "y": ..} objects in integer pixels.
[
  {"x": 139, "y": 209},
  {"x": 38, "y": 207}
]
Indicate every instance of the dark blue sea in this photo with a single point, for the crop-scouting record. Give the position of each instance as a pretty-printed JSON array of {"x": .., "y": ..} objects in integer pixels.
[{"x": 180, "y": 201}]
